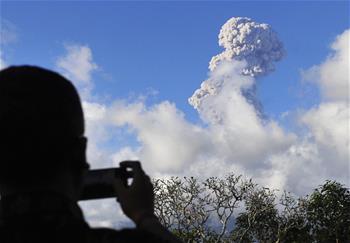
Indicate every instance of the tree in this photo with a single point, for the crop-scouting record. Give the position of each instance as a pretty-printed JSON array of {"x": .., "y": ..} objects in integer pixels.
[
  {"x": 259, "y": 222},
  {"x": 328, "y": 213},
  {"x": 225, "y": 197},
  {"x": 232, "y": 209},
  {"x": 293, "y": 225},
  {"x": 199, "y": 211},
  {"x": 181, "y": 207}
]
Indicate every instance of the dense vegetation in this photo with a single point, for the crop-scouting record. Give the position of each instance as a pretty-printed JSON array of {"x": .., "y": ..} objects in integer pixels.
[{"x": 233, "y": 209}]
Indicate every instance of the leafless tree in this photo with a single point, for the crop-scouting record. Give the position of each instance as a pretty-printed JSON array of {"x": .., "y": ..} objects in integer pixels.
[{"x": 194, "y": 209}]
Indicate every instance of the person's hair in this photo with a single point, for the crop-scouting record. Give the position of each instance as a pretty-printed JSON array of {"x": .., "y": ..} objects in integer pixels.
[{"x": 41, "y": 121}]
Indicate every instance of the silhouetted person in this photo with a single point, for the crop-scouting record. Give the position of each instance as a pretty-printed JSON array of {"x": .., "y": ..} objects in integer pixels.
[{"x": 43, "y": 163}]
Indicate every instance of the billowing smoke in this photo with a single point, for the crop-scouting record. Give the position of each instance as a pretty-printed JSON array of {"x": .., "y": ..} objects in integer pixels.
[
  {"x": 244, "y": 39},
  {"x": 235, "y": 135},
  {"x": 257, "y": 45}
]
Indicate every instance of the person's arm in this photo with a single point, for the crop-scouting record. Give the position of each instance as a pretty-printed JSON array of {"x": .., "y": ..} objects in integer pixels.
[{"x": 137, "y": 202}]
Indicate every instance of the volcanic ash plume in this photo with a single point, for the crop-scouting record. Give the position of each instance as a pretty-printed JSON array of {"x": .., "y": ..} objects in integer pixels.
[{"x": 244, "y": 40}]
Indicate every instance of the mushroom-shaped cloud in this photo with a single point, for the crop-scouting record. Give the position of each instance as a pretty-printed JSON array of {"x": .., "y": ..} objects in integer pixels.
[
  {"x": 257, "y": 44},
  {"x": 254, "y": 44}
]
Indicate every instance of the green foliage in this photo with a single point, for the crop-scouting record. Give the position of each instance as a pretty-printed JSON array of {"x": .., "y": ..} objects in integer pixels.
[
  {"x": 233, "y": 209},
  {"x": 293, "y": 226},
  {"x": 259, "y": 223},
  {"x": 328, "y": 213}
]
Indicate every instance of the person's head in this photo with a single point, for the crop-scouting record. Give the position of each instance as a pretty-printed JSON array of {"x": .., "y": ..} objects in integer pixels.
[{"x": 41, "y": 129}]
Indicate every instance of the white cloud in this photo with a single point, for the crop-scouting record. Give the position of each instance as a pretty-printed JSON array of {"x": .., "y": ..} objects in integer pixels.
[
  {"x": 97, "y": 132},
  {"x": 104, "y": 213},
  {"x": 2, "y": 62},
  {"x": 298, "y": 169},
  {"x": 329, "y": 127},
  {"x": 323, "y": 151},
  {"x": 329, "y": 122},
  {"x": 77, "y": 65},
  {"x": 125, "y": 153},
  {"x": 8, "y": 32},
  {"x": 332, "y": 75},
  {"x": 8, "y": 35},
  {"x": 168, "y": 142}
]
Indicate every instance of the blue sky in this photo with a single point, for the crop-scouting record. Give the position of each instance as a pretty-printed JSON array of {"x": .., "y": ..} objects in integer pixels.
[{"x": 167, "y": 46}]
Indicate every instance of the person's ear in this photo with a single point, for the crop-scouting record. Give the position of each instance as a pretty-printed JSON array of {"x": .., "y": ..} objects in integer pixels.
[
  {"x": 82, "y": 146},
  {"x": 79, "y": 153},
  {"x": 82, "y": 143}
]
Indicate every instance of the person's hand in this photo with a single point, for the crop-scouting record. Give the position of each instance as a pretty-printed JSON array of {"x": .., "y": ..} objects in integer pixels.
[{"x": 136, "y": 200}]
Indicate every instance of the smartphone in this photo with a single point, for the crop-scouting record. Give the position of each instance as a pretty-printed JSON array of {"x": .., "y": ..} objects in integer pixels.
[{"x": 98, "y": 184}]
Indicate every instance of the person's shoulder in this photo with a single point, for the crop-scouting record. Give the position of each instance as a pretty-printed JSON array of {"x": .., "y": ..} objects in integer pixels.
[{"x": 104, "y": 235}]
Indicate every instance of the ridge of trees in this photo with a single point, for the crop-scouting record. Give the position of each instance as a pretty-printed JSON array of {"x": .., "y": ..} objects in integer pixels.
[{"x": 234, "y": 209}]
